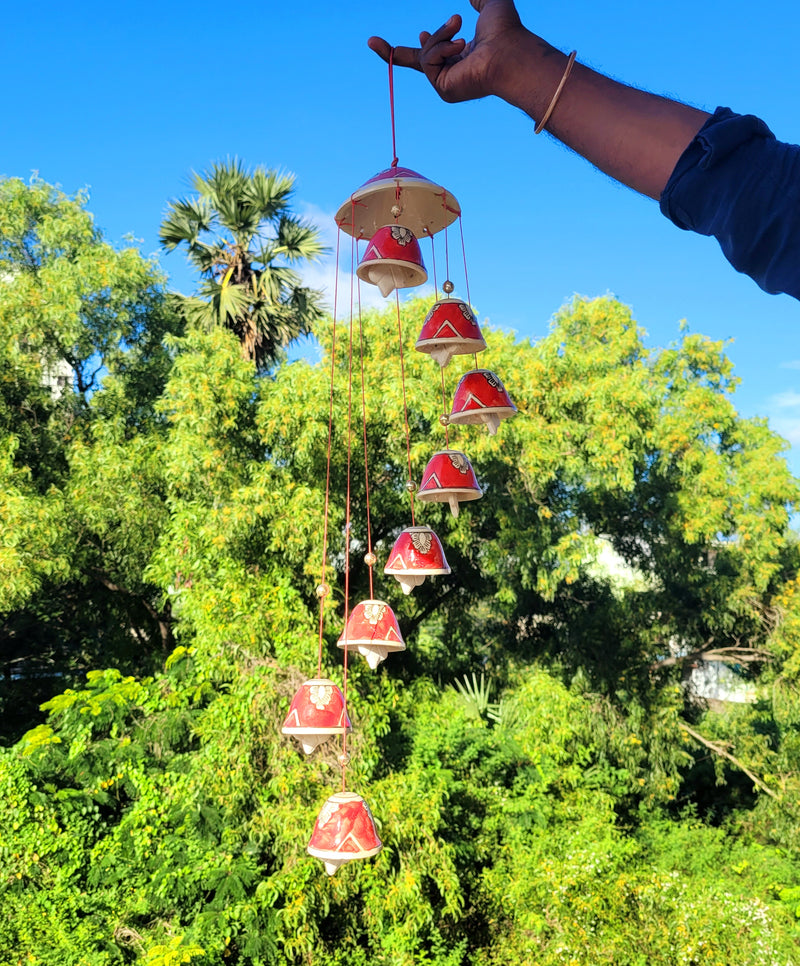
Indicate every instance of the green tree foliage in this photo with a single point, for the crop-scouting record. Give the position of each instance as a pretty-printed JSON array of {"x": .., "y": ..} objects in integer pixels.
[
  {"x": 80, "y": 479},
  {"x": 543, "y": 780},
  {"x": 243, "y": 239}
]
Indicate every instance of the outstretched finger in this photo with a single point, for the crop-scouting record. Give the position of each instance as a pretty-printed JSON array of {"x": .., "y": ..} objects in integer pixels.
[
  {"x": 434, "y": 56},
  {"x": 446, "y": 32},
  {"x": 403, "y": 56}
]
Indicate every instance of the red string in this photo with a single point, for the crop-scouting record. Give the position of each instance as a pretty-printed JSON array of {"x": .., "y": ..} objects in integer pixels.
[
  {"x": 446, "y": 237},
  {"x": 466, "y": 274},
  {"x": 346, "y": 717},
  {"x": 347, "y": 527},
  {"x": 433, "y": 265},
  {"x": 444, "y": 410},
  {"x": 405, "y": 402},
  {"x": 464, "y": 255},
  {"x": 343, "y": 225},
  {"x": 366, "y": 458},
  {"x": 328, "y": 470},
  {"x": 391, "y": 107}
]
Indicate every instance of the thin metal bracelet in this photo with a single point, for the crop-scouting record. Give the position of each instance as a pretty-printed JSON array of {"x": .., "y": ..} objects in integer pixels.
[{"x": 568, "y": 70}]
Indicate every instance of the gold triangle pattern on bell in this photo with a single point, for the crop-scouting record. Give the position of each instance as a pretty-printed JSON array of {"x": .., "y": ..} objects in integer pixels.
[
  {"x": 449, "y": 478},
  {"x": 449, "y": 329},
  {"x": 417, "y": 553},
  {"x": 344, "y": 830},
  {"x": 373, "y": 631},
  {"x": 317, "y": 711},
  {"x": 481, "y": 397}
]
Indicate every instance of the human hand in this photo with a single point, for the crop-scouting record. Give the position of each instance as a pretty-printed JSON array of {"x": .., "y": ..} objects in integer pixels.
[{"x": 461, "y": 71}]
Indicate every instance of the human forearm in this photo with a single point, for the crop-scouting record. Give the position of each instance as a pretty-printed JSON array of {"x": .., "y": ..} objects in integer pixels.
[{"x": 632, "y": 135}]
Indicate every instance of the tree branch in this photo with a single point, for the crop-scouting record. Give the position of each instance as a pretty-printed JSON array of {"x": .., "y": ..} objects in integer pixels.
[
  {"x": 733, "y": 655},
  {"x": 737, "y": 655},
  {"x": 420, "y": 616},
  {"x": 162, "y": 620},
  {"x": 727, "y": 755}
]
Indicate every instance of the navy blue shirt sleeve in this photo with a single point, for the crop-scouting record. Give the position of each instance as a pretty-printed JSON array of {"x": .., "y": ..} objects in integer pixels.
[{"x": 735, "y": 181}]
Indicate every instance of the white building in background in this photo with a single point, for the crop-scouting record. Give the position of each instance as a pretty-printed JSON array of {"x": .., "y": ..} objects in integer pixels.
[
  {"x": 716, "y": 681},
  {"x": 710, "y": 680},
  {"x": 59, "y": 376}
]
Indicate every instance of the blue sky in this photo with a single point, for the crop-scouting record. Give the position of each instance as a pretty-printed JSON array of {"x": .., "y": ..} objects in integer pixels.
[{"x": 128, "y": 98}]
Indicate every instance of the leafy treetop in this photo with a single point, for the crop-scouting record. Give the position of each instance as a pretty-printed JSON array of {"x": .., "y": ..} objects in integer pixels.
[{"x": 244, "y": 240}]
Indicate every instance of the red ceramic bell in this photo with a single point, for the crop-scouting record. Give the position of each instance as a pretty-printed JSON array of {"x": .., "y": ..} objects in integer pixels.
[
  {"x": 344, "y": 831},
  {"x": 317, "y": 711},
  {"x": 449, "y": 478},
  {"x": 392, "y": 260},
  {"x": 450, "y": 329},
  {"x": 373, "y": 631},
  {"x": 416, "y": 554},
  {"x": 481, "y": 398},
  {"x": 400, "y": 193}
]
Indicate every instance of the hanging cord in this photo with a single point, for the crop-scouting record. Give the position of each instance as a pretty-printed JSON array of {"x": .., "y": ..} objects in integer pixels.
[
  {"x": 344, "y": 758},
  {"x": 464, "y": 256},
  {"x": 323, "y": 589},
  {"x": 433, "y": 269},
  {"x": 370, "y": 558},
  {"x": 446, "y": 241},
  {"x": 411, "y": 486},
  {"x": 466, "y": 274},
  {"x": 444, "y": 412},
  {"x": 391, "y": 107}
]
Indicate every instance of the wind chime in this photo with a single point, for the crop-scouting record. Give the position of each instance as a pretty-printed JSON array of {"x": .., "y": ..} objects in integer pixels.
[{"x": 387, "y": 216}]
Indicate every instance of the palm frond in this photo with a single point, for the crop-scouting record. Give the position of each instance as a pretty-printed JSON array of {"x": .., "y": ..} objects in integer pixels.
[
  {"x": 232, "y": 302},
  {"x": 274, "y": 283},
  {"x": 476, "y": 697},
  {"x": 197, "y": 312},
  {"x": 216, "y": 305},
  {"x": 309, "y": 304},
  {"x": 186, "y": 219},
  {"x": 239, "y": 220},
  {"x": 239, "y": 217},
  {"x": 209, "y": 256},
  {"x": 270, "y": 192},
  {"x": 222, "y": 178},
  {"x": 296, "y": 239}
]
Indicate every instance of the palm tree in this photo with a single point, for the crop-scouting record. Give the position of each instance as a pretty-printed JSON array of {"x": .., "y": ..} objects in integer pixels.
[{"x": 244, "y": 240}]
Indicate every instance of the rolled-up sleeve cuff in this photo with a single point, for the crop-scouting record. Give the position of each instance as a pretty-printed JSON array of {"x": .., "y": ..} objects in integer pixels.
[{"x": 736, "y": 182}]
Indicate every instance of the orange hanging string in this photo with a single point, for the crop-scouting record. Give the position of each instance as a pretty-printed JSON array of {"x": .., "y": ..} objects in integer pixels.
[
  {"x": 464, "y": 255},
  {"x": 347, "y": 528},
  {"x": 344, "y": 756},
  {"x": 410, "y": 484},
  {"x": 466, "y": 275},
  {"x": 391, "y": 107},
  {"x": 446, "y": 249},
  {"x": 444, "y": 411},
  {"x": 323, "y": 595},
  {"x": 370, "y": 555}
]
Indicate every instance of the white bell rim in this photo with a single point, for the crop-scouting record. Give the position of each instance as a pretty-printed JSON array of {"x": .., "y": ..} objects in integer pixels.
[{"x": 426, "y": 208}]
